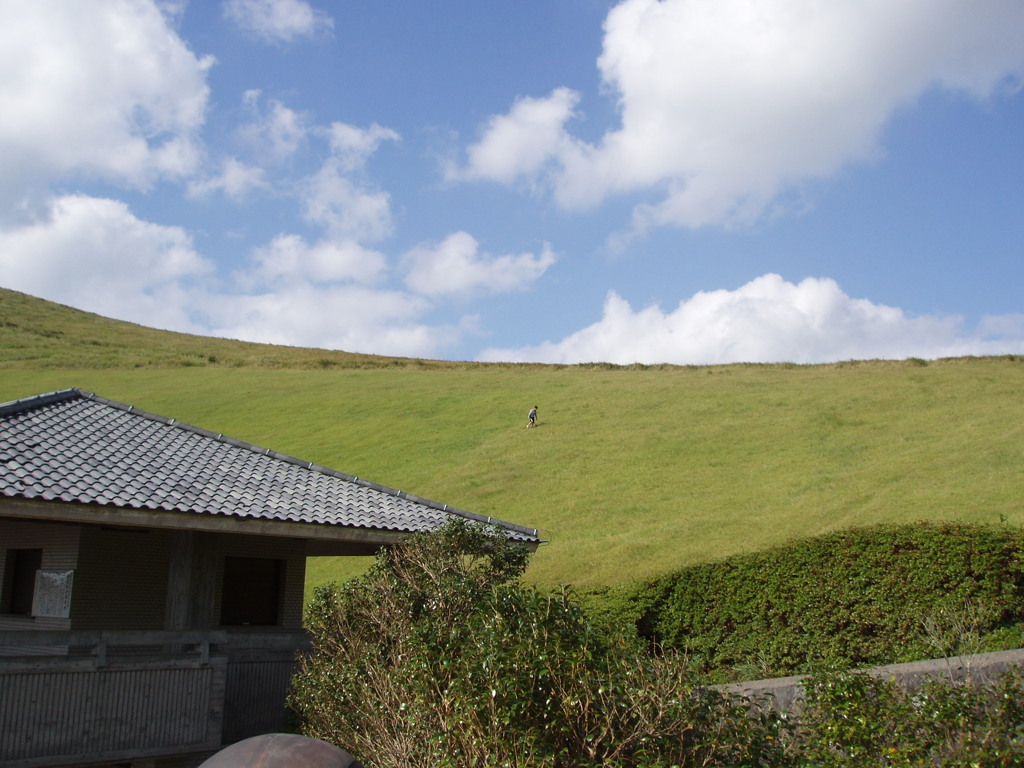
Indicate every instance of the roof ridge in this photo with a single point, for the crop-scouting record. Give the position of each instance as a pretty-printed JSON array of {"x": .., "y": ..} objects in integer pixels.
[
  {"x": 38, "y": 401},
  {"x": 69, "y": 394}
]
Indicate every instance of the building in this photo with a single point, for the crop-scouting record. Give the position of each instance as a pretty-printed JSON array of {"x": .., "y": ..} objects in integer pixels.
[{"x": 152, "y": 579}]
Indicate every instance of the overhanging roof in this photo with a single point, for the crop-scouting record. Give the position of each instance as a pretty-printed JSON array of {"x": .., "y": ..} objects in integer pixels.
[{"x": 74, "y": 456}]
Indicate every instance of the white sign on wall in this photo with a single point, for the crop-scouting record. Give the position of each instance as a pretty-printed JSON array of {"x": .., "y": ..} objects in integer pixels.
[{"x": 52, "y": 597}]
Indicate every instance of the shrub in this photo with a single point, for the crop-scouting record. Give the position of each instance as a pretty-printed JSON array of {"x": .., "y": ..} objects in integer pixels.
[
  {"x": 439, "y": 656},
  {"x": 852, "y": 719},
  {"x": 855, "y": 598}
]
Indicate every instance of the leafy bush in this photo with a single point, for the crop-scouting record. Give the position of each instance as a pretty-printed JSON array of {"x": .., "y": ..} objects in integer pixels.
[
  {"x": 860, "y": 597},
  {"x": 853, "y": 720},
  {"x": 438, "y": 656}
]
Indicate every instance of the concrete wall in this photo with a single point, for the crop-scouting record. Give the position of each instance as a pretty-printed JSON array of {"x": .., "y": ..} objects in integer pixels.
[{"x": 784, "y": 693}]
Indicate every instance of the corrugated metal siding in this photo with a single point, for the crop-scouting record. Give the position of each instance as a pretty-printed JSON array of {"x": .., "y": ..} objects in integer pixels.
[
  {"x": 129, "y": 565},
  {"x": 107, "y": 712},
  {"x": 254, "y": 703},
  {"x": 59, "y": 542}
]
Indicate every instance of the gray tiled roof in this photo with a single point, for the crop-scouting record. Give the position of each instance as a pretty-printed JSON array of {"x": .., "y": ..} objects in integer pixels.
[{"x": 77, "y": 447}]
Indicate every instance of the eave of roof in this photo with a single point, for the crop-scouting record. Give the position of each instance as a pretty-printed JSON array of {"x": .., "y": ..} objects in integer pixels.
[{"x": 87, "y": 451}]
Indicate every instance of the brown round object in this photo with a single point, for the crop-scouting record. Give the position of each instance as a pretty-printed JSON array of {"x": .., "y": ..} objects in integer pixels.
[{"x": 282, "y": 750}]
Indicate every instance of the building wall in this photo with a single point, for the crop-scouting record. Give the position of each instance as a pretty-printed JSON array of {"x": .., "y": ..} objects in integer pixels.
[
  {"x": 121, "y": 581},
  {"x": 59, "y": 542},
  {"x": 121, "y": 576},
  {"x": 134, "y": 566}
]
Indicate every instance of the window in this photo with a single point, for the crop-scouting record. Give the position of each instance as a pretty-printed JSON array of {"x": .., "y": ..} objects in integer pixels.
[
  {"x": 251, "y": 595},
  {"x": 20, "y": 580}
]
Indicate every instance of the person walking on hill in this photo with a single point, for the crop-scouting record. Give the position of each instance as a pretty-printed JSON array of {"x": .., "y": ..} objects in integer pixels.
[{"x": 533, "y": 417}]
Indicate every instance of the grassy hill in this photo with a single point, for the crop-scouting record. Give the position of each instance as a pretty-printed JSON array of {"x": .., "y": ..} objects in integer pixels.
[{"x": 633, "y": 471}]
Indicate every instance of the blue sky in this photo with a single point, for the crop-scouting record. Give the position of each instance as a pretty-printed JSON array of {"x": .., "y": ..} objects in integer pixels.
[{"x": 684, "y": 181}]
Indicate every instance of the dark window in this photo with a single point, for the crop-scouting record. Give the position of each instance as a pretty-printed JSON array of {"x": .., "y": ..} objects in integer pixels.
[
  {"x": 20, "y": 580},
  {"x": 252, "y": 592}
]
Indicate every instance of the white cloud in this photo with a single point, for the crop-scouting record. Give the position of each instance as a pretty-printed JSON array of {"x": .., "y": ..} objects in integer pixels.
[
  {"x": 94, "y": 254},
  {"x": 318, "y": 293},
  {"x": 352, "y": 318},
  {"x": 524, "y": 142},
  {"x": 766, "y": 320},
  {"x": 456, "y": 267},
  {"x": 235, "y": 180},
  {"x": 275, "y": 135},
  {"x": 288, "y": 259},
  {"x": 344, "y": 206},
  {"x": 346, "y": 210},
  {"x": 277, "y": 21},
  {"x": 353, "y": 146},
  {"x": 726, "y": 104},
  {"x": 104, "y": 88},
  {"x": 1002, "y": 327}
]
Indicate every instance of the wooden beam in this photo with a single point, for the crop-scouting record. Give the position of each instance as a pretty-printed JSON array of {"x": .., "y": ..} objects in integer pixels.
[{"x": 342, "y": 537}]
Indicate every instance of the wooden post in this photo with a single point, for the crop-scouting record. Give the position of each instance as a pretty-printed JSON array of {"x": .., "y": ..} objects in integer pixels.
[
  {"x": 179, "y": 581},
  {"x": 191, "y": 580}
]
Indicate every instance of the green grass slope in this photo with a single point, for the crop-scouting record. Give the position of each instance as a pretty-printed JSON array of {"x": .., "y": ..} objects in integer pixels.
[{"x": 632, "y": 471}]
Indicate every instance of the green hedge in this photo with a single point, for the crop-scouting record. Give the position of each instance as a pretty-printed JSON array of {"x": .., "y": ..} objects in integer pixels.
[{"x": 867, "y": 596}]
